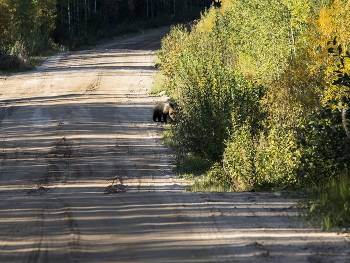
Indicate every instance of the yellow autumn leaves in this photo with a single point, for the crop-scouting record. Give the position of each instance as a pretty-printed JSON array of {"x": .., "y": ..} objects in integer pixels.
[{"x": 268, "y": 65}]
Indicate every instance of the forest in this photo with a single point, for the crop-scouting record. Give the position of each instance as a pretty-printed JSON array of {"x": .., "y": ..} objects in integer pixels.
[
  {"x": 30, "y": 27},
  {"x": 262, "y": 92}
]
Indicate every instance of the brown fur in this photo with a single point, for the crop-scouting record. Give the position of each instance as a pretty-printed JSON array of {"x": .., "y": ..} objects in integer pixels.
[{"x": 162, "y": 110}]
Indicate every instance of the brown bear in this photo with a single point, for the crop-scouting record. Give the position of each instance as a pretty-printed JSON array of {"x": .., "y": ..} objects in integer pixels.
[{"x": 162, "y": 110}]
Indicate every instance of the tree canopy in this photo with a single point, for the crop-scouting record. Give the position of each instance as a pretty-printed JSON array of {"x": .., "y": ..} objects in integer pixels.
[{"x": 27, "y": 27}]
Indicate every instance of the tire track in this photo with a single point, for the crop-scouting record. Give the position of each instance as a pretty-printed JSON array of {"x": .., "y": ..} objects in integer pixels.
[
  {"x": 95, "y": 84},
  {"x": 56, "y": 216}
]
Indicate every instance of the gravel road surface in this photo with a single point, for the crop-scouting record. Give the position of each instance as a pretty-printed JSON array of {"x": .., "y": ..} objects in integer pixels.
[{"x": 84, "y": 177}]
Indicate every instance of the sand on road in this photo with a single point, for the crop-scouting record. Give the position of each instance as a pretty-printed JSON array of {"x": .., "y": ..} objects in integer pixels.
[{"x": 84, "y": 177}]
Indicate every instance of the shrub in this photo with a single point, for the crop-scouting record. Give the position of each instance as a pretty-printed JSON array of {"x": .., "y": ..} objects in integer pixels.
[
  {"x": 325, "y": 145},
  {"x": 240, "y": 158},
  {"x": 9, "y": 62},
  {"x": 204, "y": 81},
  {"x": 262, "y": 161},
  {"x": 254, "y": 88},
  {"x": 278, "y": 156}
]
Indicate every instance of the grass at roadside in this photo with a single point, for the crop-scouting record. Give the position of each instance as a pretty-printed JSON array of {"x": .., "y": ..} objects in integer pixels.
[
  {"x": 329, "y": 208},
  {"x": 216, "y": 180},
  {"x": 195, "y": 169},
  {"x": 32, "y": 63},
  {"x": 158, "y": 84},
  {"x": 188, "y": 166}
]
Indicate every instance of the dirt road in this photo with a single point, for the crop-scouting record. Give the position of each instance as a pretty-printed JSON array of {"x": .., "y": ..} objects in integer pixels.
[{"x": 84, "y": 178}]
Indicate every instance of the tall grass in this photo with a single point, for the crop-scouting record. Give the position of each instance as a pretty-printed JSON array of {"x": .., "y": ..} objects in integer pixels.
[{"x": 330, "y": 207}]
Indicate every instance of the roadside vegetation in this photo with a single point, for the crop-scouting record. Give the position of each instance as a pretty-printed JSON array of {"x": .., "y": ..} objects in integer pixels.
[
  {"x": 31, "y": 29},
  {"x": 263, "y": 91}
]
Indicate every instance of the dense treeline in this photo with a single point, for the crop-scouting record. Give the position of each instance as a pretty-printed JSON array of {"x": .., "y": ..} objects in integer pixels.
[
  {"x": 29, "y": 27},
  {"x": 262, "y": 88},
  {"x": 77, "y": 19}
]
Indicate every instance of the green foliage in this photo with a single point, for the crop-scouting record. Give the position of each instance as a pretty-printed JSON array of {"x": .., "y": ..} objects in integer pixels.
[
  {"x": 22, "y": 17},
  {"x": 325, "y": 141},
  {"x": 342, "y": 67},
  {"x": 332, "y": 206},
  {"x": 240, "y": 155},
  {"x": 190, "y": 166},
  {"x": 187, "y": 164},
  {"x": 203, "y": 81},
  {"x": 158, "y": 84},
  {"x": 172, "y": 46},
  {"x": 240, "y": 158},
  {"x": 324, "y": 134},
  {"x": 25, "y": 28},
  {"x": 5, "y": 34},
  {"x": 216, "y": 180},
  {"x": 262, "y": 161},
  {"x": 259, "y": 96},
  {"x": 278, "y": 155},
  {"x": 216, "y": 100},
  {"x": 265, "y": 34}
]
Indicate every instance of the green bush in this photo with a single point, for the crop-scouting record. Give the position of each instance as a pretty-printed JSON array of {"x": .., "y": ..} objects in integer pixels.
[
  {"x": 190, "y": 166},
  {"x": 206, "y": 83},
  {"x": 8, "y": 62},
  {"x": 262, "y": 161},
  {"x": 278, "y": 156},
  {"x": 172, "y": 46},
  {"x": 325, "y": 145},
  {"x": 240, "y": 158}
]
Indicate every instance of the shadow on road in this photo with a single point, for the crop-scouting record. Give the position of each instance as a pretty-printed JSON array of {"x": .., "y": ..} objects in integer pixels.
[{"x": 140, "y": 226}]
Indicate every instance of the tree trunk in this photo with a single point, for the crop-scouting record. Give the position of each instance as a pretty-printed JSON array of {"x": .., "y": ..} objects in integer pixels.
[
  {"x": 69, "y": 18},
  {"x": 152, "y": 9},
  {"x": 78, "y": 14},
  {"x": 86, "y": 11},
  {"x": 147, "y": 8}
]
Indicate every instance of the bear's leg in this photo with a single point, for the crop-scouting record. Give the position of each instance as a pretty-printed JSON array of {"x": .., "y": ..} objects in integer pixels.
[
  {"x": 155, "y": 116},
  {"x": 164, "y": 117}
]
